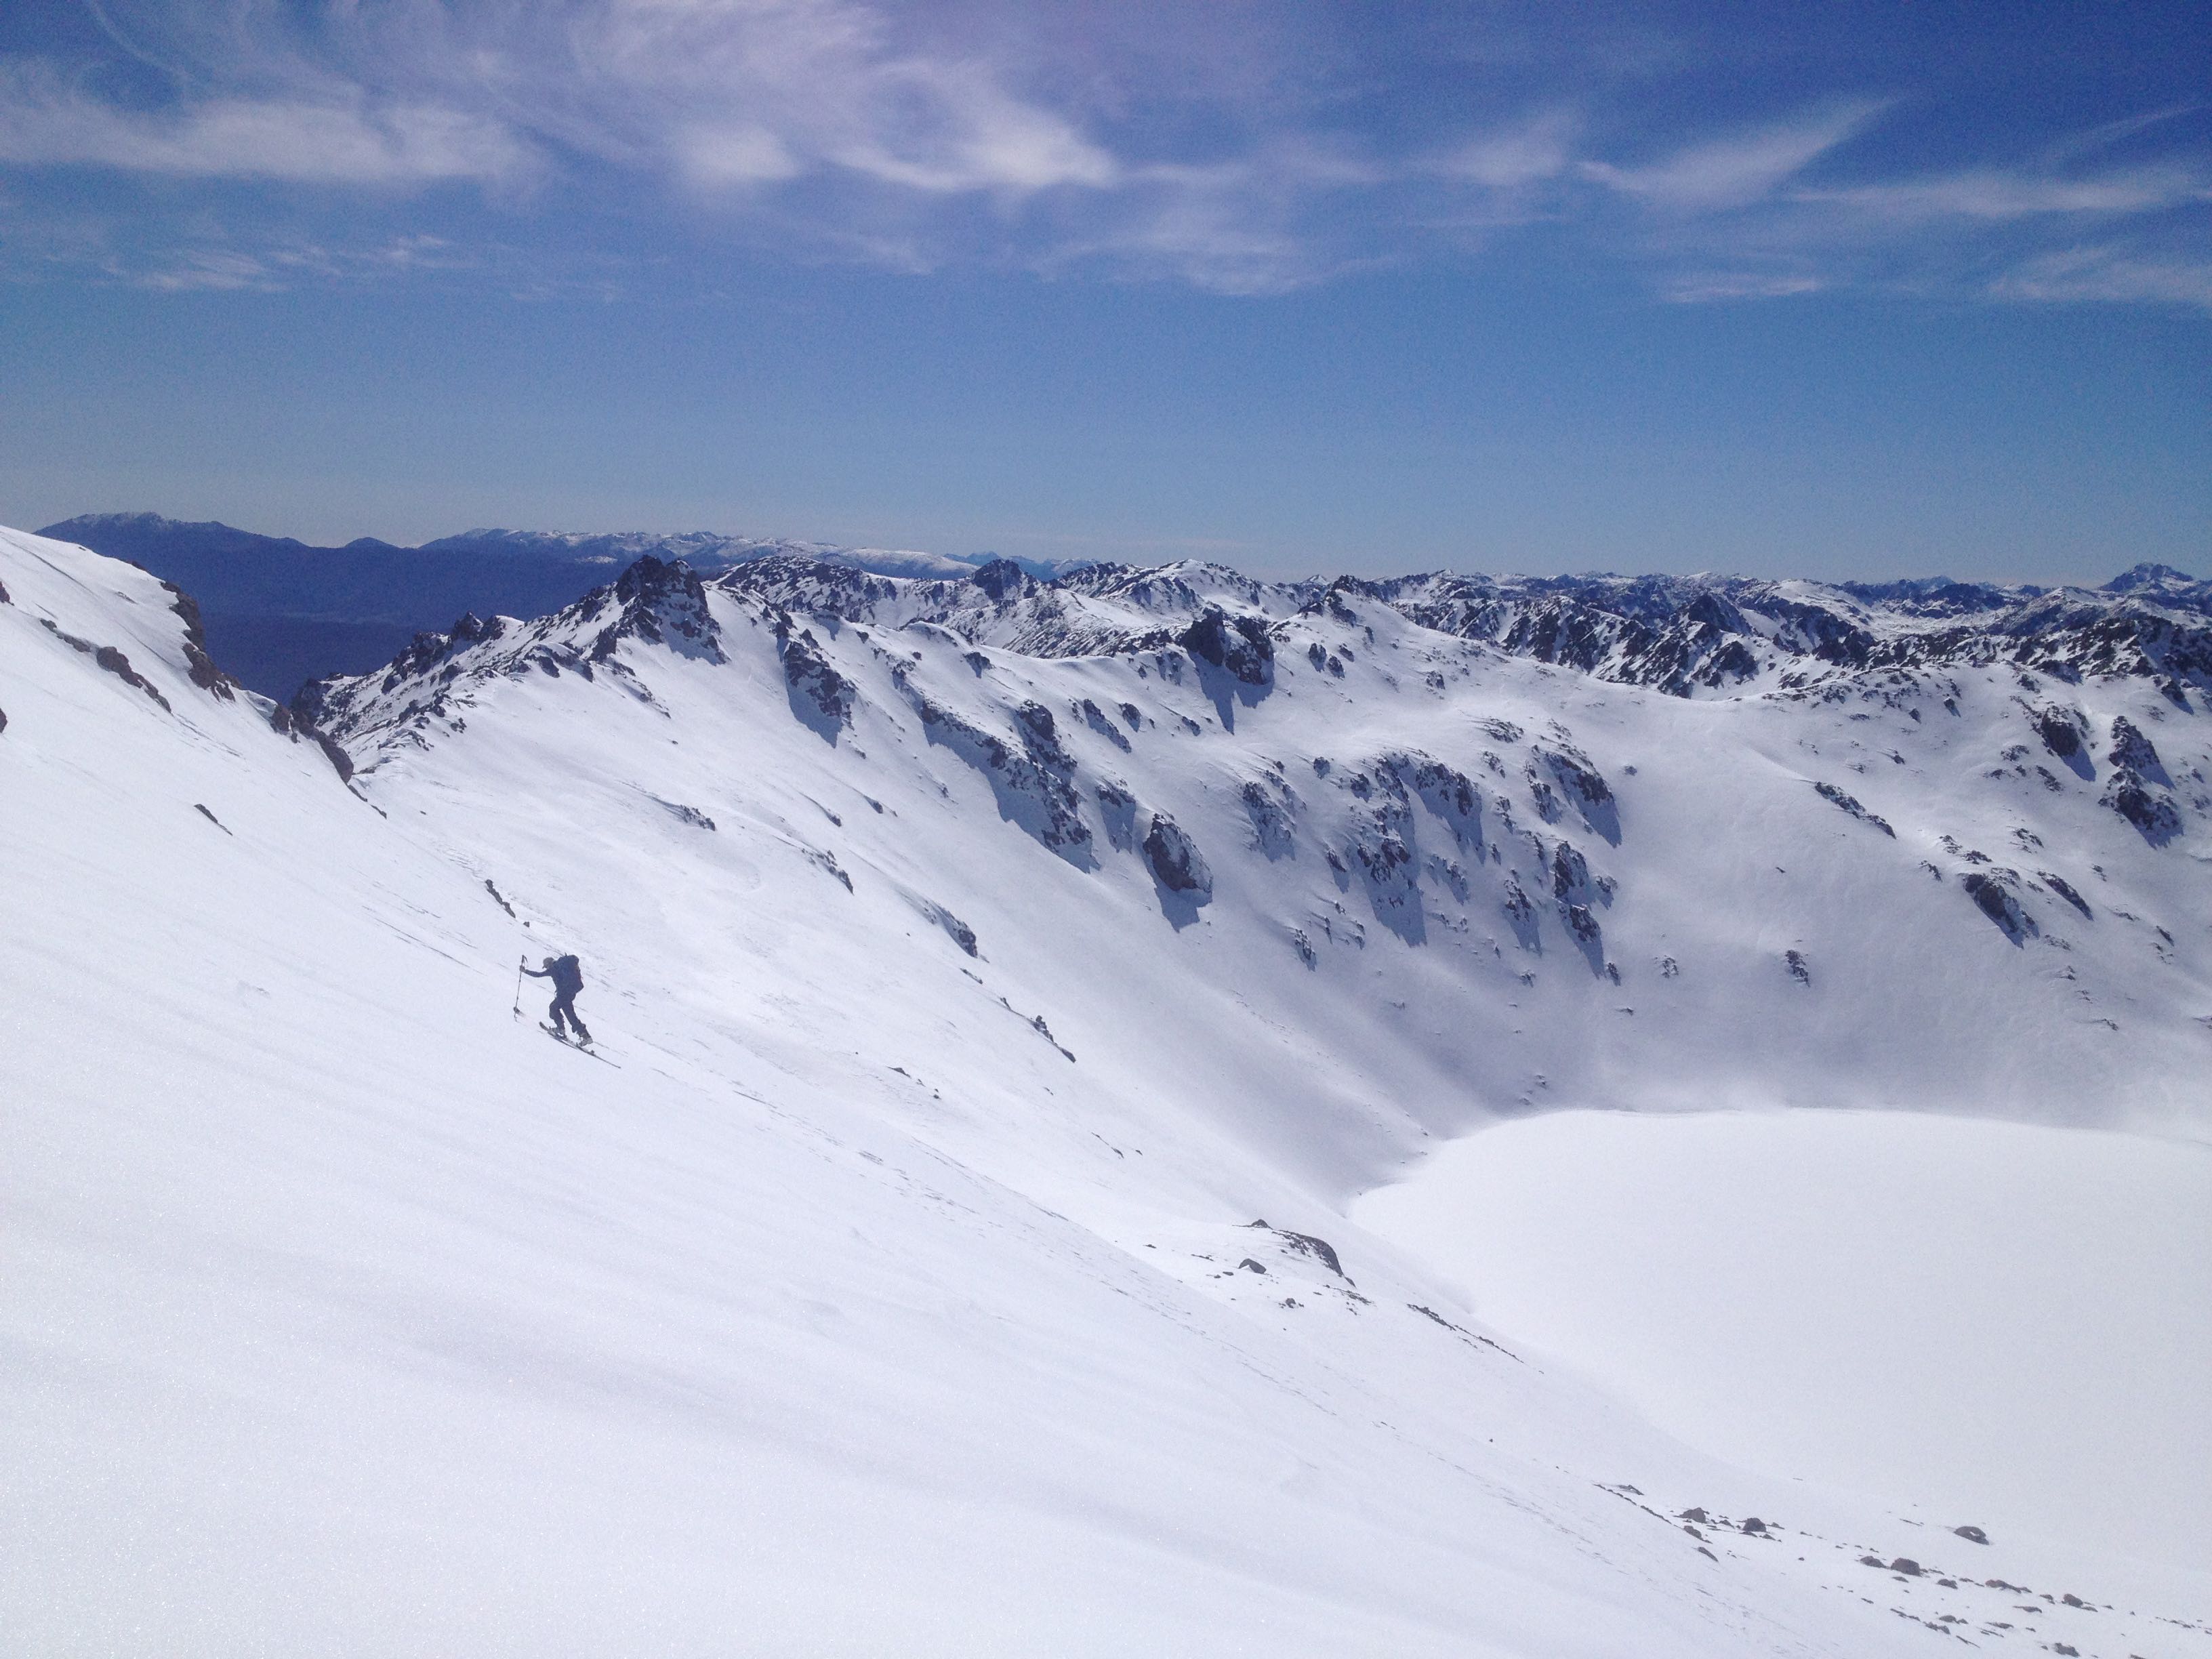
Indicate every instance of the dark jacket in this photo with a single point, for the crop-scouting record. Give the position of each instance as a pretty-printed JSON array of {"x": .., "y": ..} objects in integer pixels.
[{"x": 566, "y": 973}]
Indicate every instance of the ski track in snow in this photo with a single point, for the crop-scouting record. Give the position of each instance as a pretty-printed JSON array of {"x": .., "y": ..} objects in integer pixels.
[{"x": 853, "y": 1315}]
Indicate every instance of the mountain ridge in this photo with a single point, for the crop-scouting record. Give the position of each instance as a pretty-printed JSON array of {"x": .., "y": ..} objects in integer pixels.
[{"x": 281, "y": 612}]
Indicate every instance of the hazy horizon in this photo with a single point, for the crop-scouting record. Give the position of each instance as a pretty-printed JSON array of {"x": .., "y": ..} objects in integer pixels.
[{"x": 339, "y": 541}]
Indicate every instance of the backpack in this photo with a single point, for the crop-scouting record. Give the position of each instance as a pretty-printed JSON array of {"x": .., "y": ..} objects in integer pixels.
[{"x": 568, "y": 974}]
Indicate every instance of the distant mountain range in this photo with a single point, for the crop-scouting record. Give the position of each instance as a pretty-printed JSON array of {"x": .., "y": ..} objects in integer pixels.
[{"x": 280, "y": 612}]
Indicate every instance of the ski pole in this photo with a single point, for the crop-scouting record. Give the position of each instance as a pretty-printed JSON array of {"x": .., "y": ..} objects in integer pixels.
[{"x": 519, "y": 966}]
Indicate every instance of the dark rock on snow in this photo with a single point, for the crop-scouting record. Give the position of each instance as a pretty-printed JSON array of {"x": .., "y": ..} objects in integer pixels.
[
  {"x": 1829, "y": 791},
  {"x": 813, "y": 683},
  {"x": 1175, "y": 861},
  {"x": 2059, "y": 885},
  {"x": 1306, "y": 1244},
  {"x": 2060, "y": 730},
  {"x": 2134, "y": 752},
  {"x": 1239, "y": 645},
  {"x": 2151, "y": 811},
  {"x": 1996, "y": 901}
]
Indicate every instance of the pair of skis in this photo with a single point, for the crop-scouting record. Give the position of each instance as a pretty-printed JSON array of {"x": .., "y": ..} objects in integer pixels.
[{"x": 567, "y": 1042}]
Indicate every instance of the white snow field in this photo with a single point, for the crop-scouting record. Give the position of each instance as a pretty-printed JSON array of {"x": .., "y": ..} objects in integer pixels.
[
  {"x": 2005, "y": 1321},
  {"x": 889, "y": 1282}
]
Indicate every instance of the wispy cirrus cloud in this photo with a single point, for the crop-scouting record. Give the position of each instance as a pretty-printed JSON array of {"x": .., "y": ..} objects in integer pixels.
[
  {"x": 742, "y": 94},
  {"x": 1736, "y": 218},
  {"x": 273, "y": 267},
  {"x": 220, "y": 270},
  {"x": 1517, "y": 157},
  {"x": 1992, "y": 194},
  {"x": 2111, "y": 274},
  {"x": 1244, "y": 151},
  {"x": 1707, "y": 288},
  {"x": 45, "y": 121},
  {"x": 1737, "y": 168}
]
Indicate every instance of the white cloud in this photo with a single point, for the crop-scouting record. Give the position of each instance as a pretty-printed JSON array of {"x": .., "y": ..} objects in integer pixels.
[
  {"x": 2109, "y": 275},
  {"x": 1705, "y": 288},
  {"x": 45, "y": 123},
  {"x": 1213, "y": 244},
  {"x": 749, "y": 91},
  {"x": 965, "y": 133},
  {"x": 1733, "y": 171},
  {"x": 1239, "y": 153},
  {"x": 217, "y": 270},
  {"x": 1517, "y": 157},
  {"x": 740, "y": 154},
  {"x": 1996, "y": 195}
]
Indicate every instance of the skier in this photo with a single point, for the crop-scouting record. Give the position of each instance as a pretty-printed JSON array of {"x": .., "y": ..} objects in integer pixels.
[{"x": 568, "y": 976}]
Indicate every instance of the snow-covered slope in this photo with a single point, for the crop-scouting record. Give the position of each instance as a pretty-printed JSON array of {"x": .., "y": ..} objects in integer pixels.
[{"x": 947, "y": 1251}]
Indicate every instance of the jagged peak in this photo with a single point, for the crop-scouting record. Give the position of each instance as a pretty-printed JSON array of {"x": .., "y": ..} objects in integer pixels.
[
  {"x": 1001, "y": 577},
  {"x": 2138, "y": 576}
]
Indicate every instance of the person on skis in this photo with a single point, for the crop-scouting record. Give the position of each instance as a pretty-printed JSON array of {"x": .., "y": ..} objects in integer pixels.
[{"x": 568, "y": 976}]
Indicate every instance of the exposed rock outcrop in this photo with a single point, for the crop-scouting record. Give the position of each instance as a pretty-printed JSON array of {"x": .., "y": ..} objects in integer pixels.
[
  {"x": 661, "y": 603},
  {"x": 1033, "y": 783},
  {"x": 1176, "y": 861},
  {"x": 1992, "y": 893},
  {"x": 820, "y": 696},
  {"x": 1238, "y": 645},
  {"x": 1848, "y": 804},
  {"x": 107, "y": 657},
  {"x": 2132, "y": 751}
]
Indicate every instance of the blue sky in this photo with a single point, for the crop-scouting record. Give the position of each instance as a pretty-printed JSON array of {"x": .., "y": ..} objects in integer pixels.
[{"x": 1855, "y": 290}]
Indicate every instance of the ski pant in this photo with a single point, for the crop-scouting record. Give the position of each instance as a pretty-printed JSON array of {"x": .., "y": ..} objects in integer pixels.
[{"x": 564, "y": 1008}]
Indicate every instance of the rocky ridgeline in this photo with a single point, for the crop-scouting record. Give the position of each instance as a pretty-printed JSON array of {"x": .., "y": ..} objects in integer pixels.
[
  {"x": 1096, "y": 611},
  {"x": 1684, "y": 635},
  {"x": 1409, "y": 840},
  {"x": 657, "y": 603},
  {"x": 1687, "y": 635},
  {"x": 1401, "y": 831}
]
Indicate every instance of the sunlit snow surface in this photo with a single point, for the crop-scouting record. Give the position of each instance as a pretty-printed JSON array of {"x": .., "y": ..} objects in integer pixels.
[
  {"x": 855, "y": 1313},
  {"x": 1978, "y": 1320}
]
